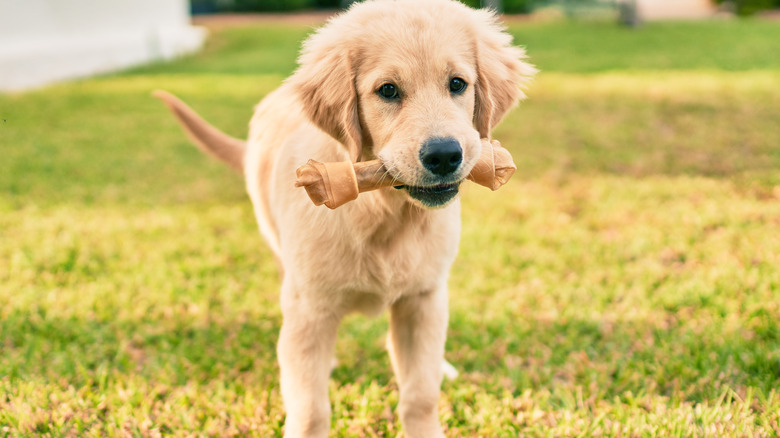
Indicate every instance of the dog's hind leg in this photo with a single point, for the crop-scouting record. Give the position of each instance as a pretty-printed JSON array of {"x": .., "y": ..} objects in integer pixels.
[{"x": 418, "y": 329}]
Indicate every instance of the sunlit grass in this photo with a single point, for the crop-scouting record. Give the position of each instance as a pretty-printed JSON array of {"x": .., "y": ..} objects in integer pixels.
[{"x": 624, "y": 283}]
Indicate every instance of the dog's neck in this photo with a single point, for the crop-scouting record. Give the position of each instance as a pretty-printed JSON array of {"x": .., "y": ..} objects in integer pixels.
[{"x": 393, "y": 214}]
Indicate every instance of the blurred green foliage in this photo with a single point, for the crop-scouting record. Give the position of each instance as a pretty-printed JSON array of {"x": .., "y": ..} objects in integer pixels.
[
  {"x": 741, "y": 7},
  {"x": 508, "y": 6},
  {"x": 750, "y": 7},
  {"x": 270, "y": 5},
  {"x": 211, "y": 6}
]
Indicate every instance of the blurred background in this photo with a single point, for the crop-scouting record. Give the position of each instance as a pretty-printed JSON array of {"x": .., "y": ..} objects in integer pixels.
[
  {"x": 743, "y": 7},
  {"x": 47, "y": 40},
  {"x": 625, "y": 282}
]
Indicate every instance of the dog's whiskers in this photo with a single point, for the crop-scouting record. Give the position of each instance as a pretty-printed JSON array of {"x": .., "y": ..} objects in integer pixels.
[{"x": 387, "y": 173}]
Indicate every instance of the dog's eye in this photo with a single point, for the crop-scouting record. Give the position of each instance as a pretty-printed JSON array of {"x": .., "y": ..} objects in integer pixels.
[
  {"x": 457, "y": 85},
  {"x": 388, "y": 91}
]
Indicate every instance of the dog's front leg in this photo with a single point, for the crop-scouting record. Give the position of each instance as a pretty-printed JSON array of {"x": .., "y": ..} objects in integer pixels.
[
  {"x": 418, "y": 329},
  {"x": 305, "y": 351}
]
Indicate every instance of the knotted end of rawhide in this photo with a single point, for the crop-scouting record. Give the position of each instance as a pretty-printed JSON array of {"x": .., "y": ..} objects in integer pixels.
[
  {"x": 333, "y": 184},
  {"x": 495, "y": 166}
]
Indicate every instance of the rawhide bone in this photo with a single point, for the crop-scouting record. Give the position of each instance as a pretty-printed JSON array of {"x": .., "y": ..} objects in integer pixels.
[{"x": 335, "y": 184}]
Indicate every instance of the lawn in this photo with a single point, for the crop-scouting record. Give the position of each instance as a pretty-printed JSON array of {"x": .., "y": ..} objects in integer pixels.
[{"x": 624, "y": 283}]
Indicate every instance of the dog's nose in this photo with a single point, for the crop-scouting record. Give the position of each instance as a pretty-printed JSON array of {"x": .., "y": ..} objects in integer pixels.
[{"x": 441, "y": 155}]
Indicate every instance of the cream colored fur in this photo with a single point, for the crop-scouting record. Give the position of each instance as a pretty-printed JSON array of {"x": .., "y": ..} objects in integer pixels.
[{"x": 383, "y": 250}]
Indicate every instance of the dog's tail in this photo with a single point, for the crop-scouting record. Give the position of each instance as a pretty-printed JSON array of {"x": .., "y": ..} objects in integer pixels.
[{"x": 208, "y": 138}]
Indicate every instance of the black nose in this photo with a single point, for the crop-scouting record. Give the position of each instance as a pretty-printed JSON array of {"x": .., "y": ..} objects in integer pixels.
[{"x": 441, "y": 155}]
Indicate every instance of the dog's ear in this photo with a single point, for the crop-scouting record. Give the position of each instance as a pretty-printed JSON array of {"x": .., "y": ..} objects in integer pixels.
[
  {"x": 325, "y": 85},
  {"x": 502, "y": 73}
]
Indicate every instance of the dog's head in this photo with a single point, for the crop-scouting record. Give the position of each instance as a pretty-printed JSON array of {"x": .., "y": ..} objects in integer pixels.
[{"x": 415, "y": 83}]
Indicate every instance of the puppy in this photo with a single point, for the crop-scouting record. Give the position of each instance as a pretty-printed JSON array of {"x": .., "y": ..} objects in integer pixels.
[{"x": 416, "y": 84}]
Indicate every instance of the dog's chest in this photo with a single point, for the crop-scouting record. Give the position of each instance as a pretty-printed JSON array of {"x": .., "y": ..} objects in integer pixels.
[
  {"x": 400, "y": 266},
  {"x": 367, "y": 258},
  {"x": 413, "y": 255}
]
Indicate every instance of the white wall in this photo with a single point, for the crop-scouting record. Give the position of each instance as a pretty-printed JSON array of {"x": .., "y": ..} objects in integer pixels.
[{"x": 43, "y": 41}]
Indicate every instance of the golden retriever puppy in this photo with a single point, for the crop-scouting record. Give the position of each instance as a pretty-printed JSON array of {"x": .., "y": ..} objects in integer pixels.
[{"x": 416, "y": 84}]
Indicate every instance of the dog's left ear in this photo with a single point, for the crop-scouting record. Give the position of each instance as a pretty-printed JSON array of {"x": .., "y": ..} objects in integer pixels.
[
  {"x": 325, "y": 85},
  {"x": 502, "y": 73}
]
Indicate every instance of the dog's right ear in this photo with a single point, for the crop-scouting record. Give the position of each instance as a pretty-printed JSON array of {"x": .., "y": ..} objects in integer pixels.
[{"x": 325, "y": 85}]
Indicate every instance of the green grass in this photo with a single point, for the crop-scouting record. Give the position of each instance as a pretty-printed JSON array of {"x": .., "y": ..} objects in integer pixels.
[
  {"x": 625, "y": 283},
  {"x": 566, "y": 46},
  {"x": 587, "y": 47}
]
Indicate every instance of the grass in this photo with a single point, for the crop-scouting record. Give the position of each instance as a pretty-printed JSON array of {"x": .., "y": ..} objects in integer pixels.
[{"x": 625, "y": 283}]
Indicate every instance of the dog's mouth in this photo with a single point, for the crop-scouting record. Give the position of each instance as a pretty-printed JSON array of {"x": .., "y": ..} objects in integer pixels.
[{"x": 432, "y": 196}]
